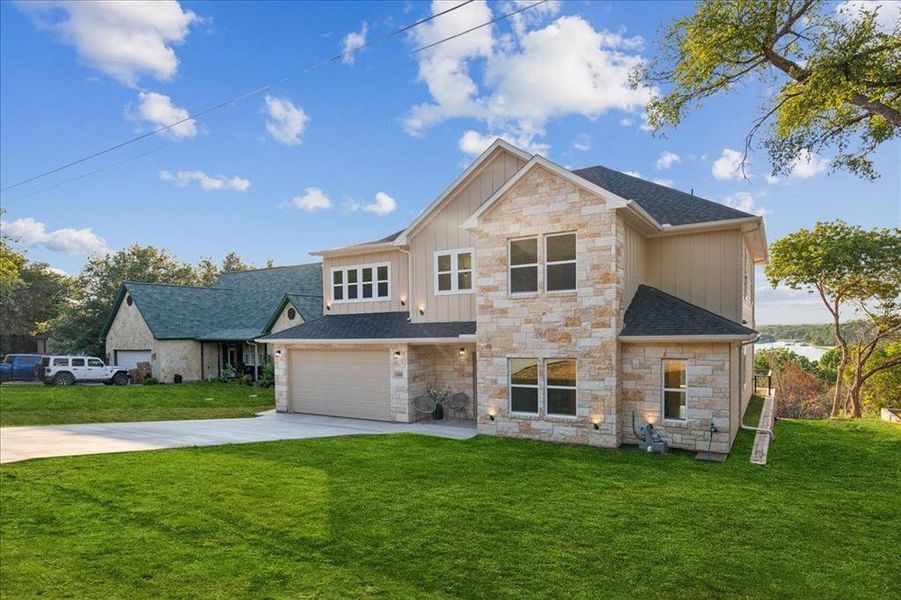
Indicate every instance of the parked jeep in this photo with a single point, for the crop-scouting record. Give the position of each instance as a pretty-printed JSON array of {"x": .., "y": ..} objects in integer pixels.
[
  {"x": 21, "y": 367},
  {"x": 67, "y": 370}
]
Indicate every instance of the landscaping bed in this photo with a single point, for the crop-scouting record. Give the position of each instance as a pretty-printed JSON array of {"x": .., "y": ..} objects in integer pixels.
[{"x": 37, "y": 404}]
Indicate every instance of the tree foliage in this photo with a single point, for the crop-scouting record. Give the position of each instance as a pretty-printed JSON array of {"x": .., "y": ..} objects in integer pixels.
[
  {"x": 849, "y": 268},
  {"x": 837, "y": 76}
]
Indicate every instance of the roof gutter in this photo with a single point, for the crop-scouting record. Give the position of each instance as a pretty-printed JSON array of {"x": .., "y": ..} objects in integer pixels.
[
  {"x": 353, "y": 250},
  {"x": 732, "y": 337},
  {"x": 741, "y": 421},
  {"x": 367, "y": 341}
]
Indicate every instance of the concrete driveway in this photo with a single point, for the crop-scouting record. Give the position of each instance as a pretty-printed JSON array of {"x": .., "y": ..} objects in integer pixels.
[{"x": 22, "y": 443}]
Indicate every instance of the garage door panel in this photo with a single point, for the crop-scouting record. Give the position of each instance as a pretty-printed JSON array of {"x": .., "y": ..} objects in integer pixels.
[
  {"x": 341, "y": 383},
  {"x": 129, "y": 359}
]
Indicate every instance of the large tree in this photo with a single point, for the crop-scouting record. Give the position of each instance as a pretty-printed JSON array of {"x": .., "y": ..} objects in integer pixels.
[
  {"x": 78, "y": 328},
  {"x": 38, "y": 296},
  {"x": 851, "y": 269},
  {"x": 836, "y": 75}
]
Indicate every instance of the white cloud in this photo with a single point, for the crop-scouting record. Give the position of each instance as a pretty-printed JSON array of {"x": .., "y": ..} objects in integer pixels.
[
  {"x": 633, "y": 173},
  {"x": 313, "y": 200},
  {"x": 808, "y": 165},
  {"x": 626, "y": 122},
  {"x": 667, "y": 160},
  {"x": 286, "y": 121},
  {"x": 663, "y": 181},
  {"x": 474, "y": 143},
  {"x": 57, "y": 271},
  {"x": 745, "y": 202},
  {"x": 68, "y": 240},
  {"x": 353, "y": 41},
  {"x": 125, "y": 40},
  {"x": 207, "y": 183},
  {"x": 521, "y": 21},
  {"x": 728, "y": 166},
  {"x": 565, "y": 68},
  {"x": 582, "y": 142},
  {"x": 159, "y": 111},
  {"x": 888, "y": 12},
  {"x": 772, "y": 179},
  {"x": 382, "y": 205}
]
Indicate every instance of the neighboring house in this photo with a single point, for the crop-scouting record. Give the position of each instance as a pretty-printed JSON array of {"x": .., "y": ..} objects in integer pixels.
[
  {"x": 564, "y": 303},
  {"x": 196, "y": 332}
]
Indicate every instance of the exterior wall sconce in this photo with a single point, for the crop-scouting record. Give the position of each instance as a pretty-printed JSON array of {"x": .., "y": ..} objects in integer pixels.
[
  {"x": 278, "y": 352},
  {"x": 403, "y": 300},
  {"x": 421, "y": 310},
  {"x": 490, "y": 414},
  {"x": 328, "y": 307},
  {"x": 397, "y": 355},
  {"x": 596, "y": 422},
  {"x": 462, "y": 352}
]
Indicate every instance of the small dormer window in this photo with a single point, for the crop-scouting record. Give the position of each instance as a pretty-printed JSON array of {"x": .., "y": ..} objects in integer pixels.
[{"x": 291, "y": 314}]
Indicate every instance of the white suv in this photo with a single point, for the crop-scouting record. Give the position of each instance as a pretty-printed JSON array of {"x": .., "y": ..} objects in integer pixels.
[{"x": 66, "y": 370}]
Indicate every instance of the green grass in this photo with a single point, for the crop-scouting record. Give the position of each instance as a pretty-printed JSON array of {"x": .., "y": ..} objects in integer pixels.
[
  {"x": 401, "y": 516},
  {"x": 36, "y": 404}
]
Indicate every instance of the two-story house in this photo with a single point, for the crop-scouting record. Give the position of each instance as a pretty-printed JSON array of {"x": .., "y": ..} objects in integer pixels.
[{"x": 565, "y": 304}]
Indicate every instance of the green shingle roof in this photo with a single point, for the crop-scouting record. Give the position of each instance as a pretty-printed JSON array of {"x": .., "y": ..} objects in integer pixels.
[{"x": 238, "y": 306}]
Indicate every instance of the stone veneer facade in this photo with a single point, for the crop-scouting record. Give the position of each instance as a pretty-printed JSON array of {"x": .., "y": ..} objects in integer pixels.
[
  {"x": 708, "y": 392},
  {"x": 580, "y": 325}
]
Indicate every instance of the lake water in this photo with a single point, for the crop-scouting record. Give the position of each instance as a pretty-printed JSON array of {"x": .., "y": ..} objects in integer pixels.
[{"x": 810, "y": 352}]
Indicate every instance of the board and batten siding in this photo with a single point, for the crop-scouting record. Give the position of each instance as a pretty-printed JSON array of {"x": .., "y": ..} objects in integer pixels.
[
  {"x": 443, "y": 231},
  {"x": 702, "y": 268},
  {"x": 397, "y": 276},
  {"x": 635, "y": 256}
]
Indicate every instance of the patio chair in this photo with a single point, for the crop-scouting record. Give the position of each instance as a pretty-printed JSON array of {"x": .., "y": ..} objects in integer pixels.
[
  {"x": 424, "y": 404},
  {"x": 459, "y": 402}
]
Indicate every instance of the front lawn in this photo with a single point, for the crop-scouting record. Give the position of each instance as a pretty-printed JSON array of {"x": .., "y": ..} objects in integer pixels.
[
  {"x": 404, "y": 516},
  {"x": 36, "y": 404}
]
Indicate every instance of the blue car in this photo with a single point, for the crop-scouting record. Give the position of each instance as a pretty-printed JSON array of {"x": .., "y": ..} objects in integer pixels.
[{"x": 21, "y": 367}]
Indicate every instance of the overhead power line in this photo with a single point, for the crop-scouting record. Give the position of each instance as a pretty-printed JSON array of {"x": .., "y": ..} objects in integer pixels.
[{"x": 262, "y": 88}]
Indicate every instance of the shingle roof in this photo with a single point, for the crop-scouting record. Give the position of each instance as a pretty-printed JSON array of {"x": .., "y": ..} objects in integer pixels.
[
  {"x": 238, "y": 306},
  {"x": 666, "y": 205},
  {"x": 656, "y": 313},
  {"x": 387, "y": 238},
  {"x": 386, "y": 325}
]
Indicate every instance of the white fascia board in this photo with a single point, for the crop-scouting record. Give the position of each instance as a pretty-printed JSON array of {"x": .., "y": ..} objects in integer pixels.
[
  {"x": 644, "y": 339},
  {"x": 463, "y": 339},
  {"x": 667, "y": 229},
  {"x": 475, "y": 166},
  {"x": 613, "y": 200},
  {"x": 356, "y": 249}
]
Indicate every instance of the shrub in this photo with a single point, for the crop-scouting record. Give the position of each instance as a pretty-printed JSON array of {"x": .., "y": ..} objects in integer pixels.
[
  {"x": 267, "y": 375},
  {"x": 246, "y": 380},
  {"x": 228, "y": 373},
  {"x": 150, "y": 381}
]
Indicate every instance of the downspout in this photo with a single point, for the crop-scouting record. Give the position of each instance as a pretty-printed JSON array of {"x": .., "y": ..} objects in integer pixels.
[{"x": 741, "y": 421}]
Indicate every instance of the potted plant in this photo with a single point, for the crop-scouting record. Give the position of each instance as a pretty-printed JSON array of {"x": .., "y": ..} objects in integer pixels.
[{"x": 439, "y": 397}]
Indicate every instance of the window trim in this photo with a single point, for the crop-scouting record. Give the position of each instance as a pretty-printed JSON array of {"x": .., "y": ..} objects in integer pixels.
[
  {"x": 664, "y": 390},
  {"x": 536, "y": 387},
  {"x": 359, "y": 283},
  {"x": 574, "y": 262},
  {"x": 548, "y": 386},
  {"x": 455, "y": 271},
  {"x": 511, "y": 266}
]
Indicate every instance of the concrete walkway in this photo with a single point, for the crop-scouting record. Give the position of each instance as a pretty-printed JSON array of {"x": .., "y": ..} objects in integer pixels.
[
  {"x": 762, "y": 440},
  {"x": 22, "y": 443}
]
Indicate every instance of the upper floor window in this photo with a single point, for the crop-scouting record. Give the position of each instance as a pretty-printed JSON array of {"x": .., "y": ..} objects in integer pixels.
[
  {"x": 524, "y": 265},
  {"x": 359, "y": 283},
  {"x": 453, "y": 271},
  {"x": 674, "y": 389},
  {"x": 560, "y": 262}
]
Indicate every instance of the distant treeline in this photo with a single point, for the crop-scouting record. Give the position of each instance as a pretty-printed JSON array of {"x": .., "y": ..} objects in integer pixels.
[{"x": 815, "y": 334}]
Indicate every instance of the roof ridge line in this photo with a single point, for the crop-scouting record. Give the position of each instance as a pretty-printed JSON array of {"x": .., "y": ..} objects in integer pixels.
[
  {"x": 178, "y": 285},
  {"x": 309, "y": 264}
]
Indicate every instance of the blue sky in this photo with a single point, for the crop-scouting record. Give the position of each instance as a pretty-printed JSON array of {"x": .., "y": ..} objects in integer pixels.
[{"x": 375, "y": 140}]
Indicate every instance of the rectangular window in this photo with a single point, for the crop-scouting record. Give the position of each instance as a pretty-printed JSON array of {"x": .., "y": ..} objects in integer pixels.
[
  {"x": 674, "y": 389},
  {"x": 523, "y": 385},
  {"x": 77, "y": 362},
  {"x": 453, "y": 271},
  {"x": 524, "y": 265},
  {"x": 560, "y": 386},
  {"x": 60, "y": 362},
  {"x": 358, "y": 283},
  {"x": 95, "y": 362},
  {"x": 560, "y": 262}
]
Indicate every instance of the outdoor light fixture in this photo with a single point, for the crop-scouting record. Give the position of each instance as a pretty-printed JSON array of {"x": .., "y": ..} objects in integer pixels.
[
  {"x": 397, "y": 355},
  {"x": 403, "y": 300},
  {"x": 421, "y": 310},
  {"x": 596, "y": 421},
  {"x": 278, "y": 352},
  {"x": 597, "y": 425},
  {"x": 491, "y": 414},
  {"x": 328, "y": 307},
  {"x": 462, "y": 352}
]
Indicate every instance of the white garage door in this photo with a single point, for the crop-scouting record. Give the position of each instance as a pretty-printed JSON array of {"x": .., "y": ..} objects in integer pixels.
[
  {"x": 130, "y": 358},
  {"x": 351, "y": 383}
]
